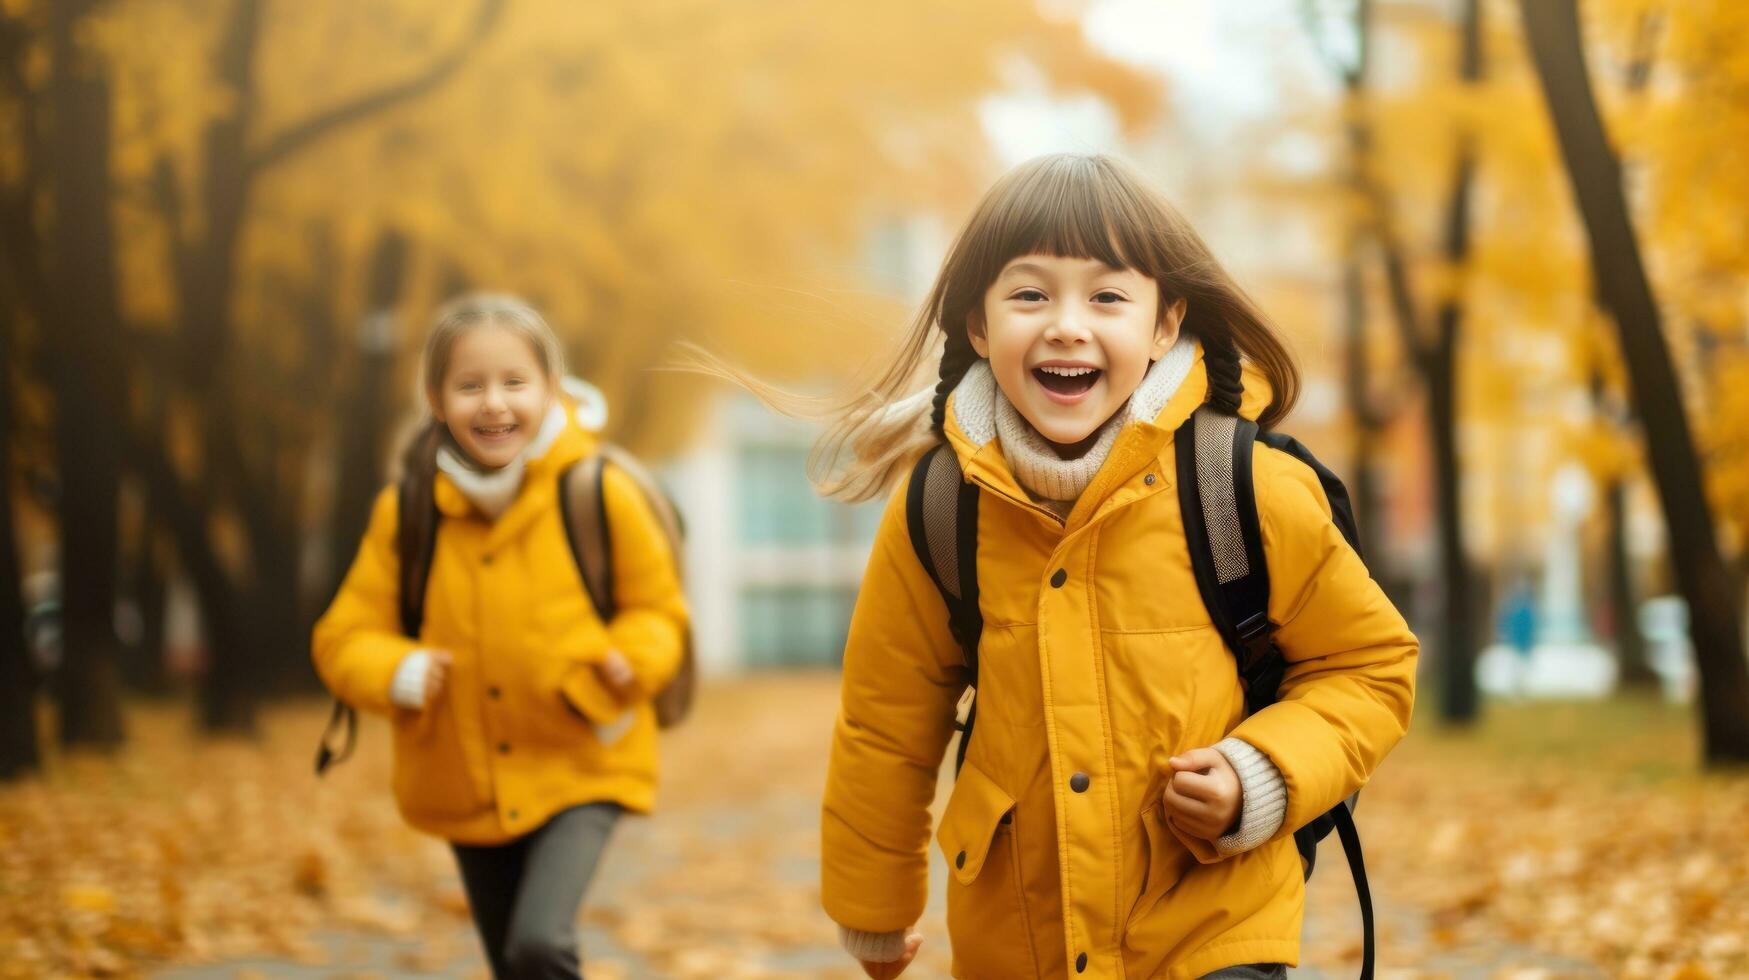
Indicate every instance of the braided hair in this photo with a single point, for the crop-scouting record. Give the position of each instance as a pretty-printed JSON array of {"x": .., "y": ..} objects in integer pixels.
[
  {"x": 957, "y": 357},
  {"x": 1226, "y": 378}
]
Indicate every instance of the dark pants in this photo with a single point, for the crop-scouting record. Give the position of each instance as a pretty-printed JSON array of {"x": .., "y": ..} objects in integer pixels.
[
  {"x": 525, "y": 894},
  {"x": 1250, "y": 971}
]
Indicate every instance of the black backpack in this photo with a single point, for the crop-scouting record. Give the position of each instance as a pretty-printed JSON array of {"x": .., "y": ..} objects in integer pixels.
[
  {"x": 1216, "y": 495},
  {"x": 583, "y": 508}
]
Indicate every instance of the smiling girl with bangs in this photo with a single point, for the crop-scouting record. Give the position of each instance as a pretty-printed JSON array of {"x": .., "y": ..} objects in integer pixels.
[{"x": 1119, "y": 812}]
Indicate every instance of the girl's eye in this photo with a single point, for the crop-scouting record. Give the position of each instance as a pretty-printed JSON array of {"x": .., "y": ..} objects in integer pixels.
[
  {"x": 470, "y": 386},
  {"x": 514, "y": 383},
  {"x": 1107, "y": 296},
  {"x": 1030, "y": 296}
]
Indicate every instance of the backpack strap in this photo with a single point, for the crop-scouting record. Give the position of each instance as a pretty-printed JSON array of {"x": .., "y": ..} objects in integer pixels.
[
  {"x": 941, "y": 511},
  {"x": 343, "y": 716},
  {"x": 1218, "y": 501},
  {"x": 417, "y": 520},
  {"x": 583, "y": 509},
  {"x": 1343, "y": 817}
]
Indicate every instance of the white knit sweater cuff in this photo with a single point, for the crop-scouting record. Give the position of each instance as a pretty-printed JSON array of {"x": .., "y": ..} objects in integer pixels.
[
  {"x": 407, "y": 689},
  {"x": 1264, "y": 797},
  {"x": 873, "y": 947}
]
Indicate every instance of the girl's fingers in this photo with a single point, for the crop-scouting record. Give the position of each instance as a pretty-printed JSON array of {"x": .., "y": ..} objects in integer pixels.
[
  {"x": 436, "y": 675},
  {"x": 1178, "y": 803},
  {"x": 1195, "y": 821},
  {"x": 1199, "y": 828},
  {"x": 1195, "y": 786},
  {"x": 1196, "y": 760},
  {"x": 615, "y": 669}
]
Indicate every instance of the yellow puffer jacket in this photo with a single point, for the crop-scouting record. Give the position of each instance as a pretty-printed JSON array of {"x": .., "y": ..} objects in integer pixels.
[
  {"x": 1107, "y": 674},
  {"x": 510, "y": 741}
]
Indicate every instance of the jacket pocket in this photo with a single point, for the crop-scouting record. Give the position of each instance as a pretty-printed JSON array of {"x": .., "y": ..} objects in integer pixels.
[
  {"x": 987, "y": 918},
  {"x": 432, "y": 775},
  {"x": 555, "y": 705},
  {"x": 1167, "y": 862}
]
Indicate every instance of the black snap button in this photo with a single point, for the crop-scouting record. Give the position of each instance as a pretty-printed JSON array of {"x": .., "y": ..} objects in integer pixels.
[
  {"x": 1079, "y": 782},
  {"x": 485, "y": 559},
  {"x": 503, "y": 748},
  {"x": 960, "y": 861},
  {"x": 514, "y": 814},
  {"x": 493, "y": 692},
  {"x": 1058, "y": 579},
  {"x": 1149, "y": 479},
  {"x": 1081, "y": 963}
]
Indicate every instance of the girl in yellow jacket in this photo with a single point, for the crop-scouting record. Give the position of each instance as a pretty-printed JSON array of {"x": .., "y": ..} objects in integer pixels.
[
  {"x": 522, "y": 722},
  {"x": 1118, "y": 813}
]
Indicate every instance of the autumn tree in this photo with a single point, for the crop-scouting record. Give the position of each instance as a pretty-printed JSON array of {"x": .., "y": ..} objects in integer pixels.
[
  {"x": 1594, "y": 170},
  {"x": 1428, "y": 321},
  {"x": 643, "y": 172}
]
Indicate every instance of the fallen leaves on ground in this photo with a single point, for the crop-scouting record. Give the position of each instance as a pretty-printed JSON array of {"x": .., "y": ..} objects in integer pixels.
[{"x": 1554, "y": 841}]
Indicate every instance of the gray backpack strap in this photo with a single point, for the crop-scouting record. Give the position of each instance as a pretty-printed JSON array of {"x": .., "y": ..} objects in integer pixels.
[
  {"x": 1218, "y": 502},
  {"x": 941, "y": 511},
  {"x": 583, "y": 508}
]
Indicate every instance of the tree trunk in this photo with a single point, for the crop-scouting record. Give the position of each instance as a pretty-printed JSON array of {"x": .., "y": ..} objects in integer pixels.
[
  {"x": 1458, "y": 702},
  {"x": 1367, "y": 427},
  {"x": 231, "y": 163},
  {"x": 1368, "y": 423},
  {"x": 143, "y": 666},
  {"x": 365, "y": 426},
  {"x": 85, "y": 375},
  {"x": 18, "y": 748},
  {"x": 1594, "y": 171},
  {"x": 1630, "y": 646}
]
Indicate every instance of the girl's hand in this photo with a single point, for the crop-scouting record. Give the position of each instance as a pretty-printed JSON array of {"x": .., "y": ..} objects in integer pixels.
[
  {"x": 436, "y": 674},
  {"x": 1203, "y": 796},
  {"x": 615, "y": 671},
  {"x": 887, "y": 971}
]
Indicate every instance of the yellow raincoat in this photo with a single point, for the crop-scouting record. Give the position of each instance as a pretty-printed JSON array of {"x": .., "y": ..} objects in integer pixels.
[
  {"x": 512, "y": 739},
  {"x": 1107, "y": 675}
]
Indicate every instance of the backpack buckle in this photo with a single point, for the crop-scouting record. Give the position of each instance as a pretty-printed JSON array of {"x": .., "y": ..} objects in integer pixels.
[
  {"x": 1254, "y": 636},
  {"x": 1257, "y": 623}
]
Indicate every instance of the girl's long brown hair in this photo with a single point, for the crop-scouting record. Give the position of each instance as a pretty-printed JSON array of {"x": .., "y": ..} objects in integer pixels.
[{"x": 1070, "y": 205}]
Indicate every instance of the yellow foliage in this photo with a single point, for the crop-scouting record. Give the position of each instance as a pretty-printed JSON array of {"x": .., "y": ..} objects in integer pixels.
[{"x": 644, "y": 172}]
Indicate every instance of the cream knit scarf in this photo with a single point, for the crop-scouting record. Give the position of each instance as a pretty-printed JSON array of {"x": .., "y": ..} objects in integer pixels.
[
  {"x": 984, "y": 413},
  {"x": 493, "y": 490}
]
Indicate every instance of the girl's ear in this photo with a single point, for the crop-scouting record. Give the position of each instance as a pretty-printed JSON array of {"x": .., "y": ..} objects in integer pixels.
[
  {"x": 978, "y": 334},
  {"x": 1166, "y": 331},
  {"x": 436, "y": 405}
]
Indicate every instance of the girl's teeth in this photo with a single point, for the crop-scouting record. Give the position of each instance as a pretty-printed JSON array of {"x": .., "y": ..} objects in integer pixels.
[{"x": 1068, "y": 372}]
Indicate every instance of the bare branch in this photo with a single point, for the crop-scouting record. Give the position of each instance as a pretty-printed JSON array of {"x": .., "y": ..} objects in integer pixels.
[
  {"x": 306, "y": 133},
  {"x": 1403, "y": 308}
]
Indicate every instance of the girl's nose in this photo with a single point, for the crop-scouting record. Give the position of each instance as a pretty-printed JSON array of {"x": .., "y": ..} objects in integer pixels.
[{"x": 1066, "y": 328}]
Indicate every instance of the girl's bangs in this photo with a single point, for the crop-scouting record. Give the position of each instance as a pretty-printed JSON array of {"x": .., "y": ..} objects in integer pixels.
[{"x": 1068, "y": 210}]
